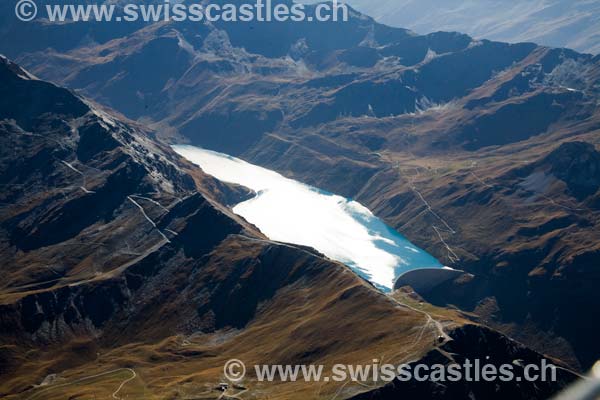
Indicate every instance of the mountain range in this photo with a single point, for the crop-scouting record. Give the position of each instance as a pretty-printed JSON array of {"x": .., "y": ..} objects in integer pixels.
[
  {"x": 556, "y": 23},
  {"x": 120, "y": 258},
  {"x": 483, "y": 153}
]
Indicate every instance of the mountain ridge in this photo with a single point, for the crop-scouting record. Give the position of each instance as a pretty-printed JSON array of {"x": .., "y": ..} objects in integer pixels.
[
  {"x": 553, "y": 23},
  {"x": 166, "y": 311},
  {"x": 429, "y": 127}
]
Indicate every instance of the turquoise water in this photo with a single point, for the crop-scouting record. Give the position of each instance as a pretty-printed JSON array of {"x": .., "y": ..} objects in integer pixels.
[{"x": 288, "y": 211}]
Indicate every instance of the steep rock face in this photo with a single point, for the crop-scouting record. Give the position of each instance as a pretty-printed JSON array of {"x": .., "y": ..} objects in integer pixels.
[
  {"x": 26, "y": 99},
  {"x": 520, "y": 228},
  {"x": 241, "y": 81},
  {"x": 76, "y": 178},
  {"x": 162, "y": 277},
  {"x": 476, "y": 343},
  {"x": 434, "y": 130}
]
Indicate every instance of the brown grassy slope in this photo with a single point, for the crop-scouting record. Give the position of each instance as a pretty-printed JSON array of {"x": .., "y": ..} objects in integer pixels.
[
  {"x": 115, "y": 265},
  {"x": 311, "y": 311},
  {"x": 477, "y": 181}
]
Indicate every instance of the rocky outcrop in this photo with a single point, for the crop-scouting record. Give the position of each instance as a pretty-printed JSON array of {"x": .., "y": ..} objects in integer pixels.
[
  {"x": 487, "y": 347},
  {"x": 578, "y": 165},
  {"x": 113, "y": 255}
]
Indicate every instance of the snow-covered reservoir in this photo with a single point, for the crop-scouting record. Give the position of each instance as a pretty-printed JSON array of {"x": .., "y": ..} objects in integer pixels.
[{"x": 289, "y": 211}]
